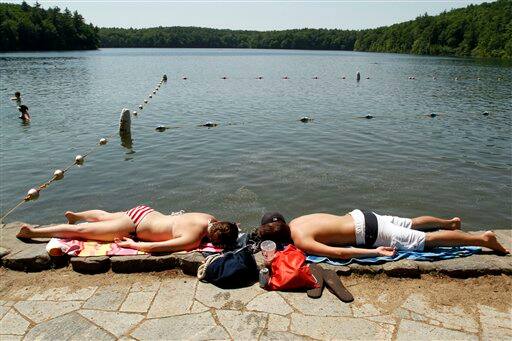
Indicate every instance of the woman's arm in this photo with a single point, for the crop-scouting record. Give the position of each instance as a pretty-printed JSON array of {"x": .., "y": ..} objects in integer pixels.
[
  {"x": 313, "y": 247},
  {"x": 172, "y": 245}
]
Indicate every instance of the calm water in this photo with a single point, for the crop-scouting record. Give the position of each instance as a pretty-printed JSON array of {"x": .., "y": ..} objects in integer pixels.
[{"x": 401, "y": 162}]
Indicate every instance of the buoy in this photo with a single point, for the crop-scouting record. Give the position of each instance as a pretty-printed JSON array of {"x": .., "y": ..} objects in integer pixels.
[
  {"x": 434, "y": 78},
  {"x": 358, "y": 76},
  {"x": 368, "y": 117},
  {"x": 184, "y": 78},
  {"x": 160, "y": 128},
  {"x": 433, "y": 114},
  {"x": 32, "y": 194},
  {"x": 343, "y": 77},
  {"x": 499, "y": 78},
  {"x": 456, "y": 78},
  {"x": 306, "y": 119},
  {"x": 210, "y": 124},
  {"x": 58, "y": 174},
  {"x": 367, "y": 77},
  {"x": 79, "y": 160},
  {"x": 140, "y": 107},
  {"x": 145, "y": 101},
  {"x": 316, "y": 77},
  {"x": 477, "y": 78},
  {"x": 224, "y": 77},
  {"x": 150, "y": 96},
  {"x": 154, "y": 92},
  {"x": 103, "y": 141},
  {"x": 135, "y": 113},
  {"x": 164, "y": 78},
  {"x": 259, "y": 77},
  {"x": 485, "y": 113},
  {"x": 285, "y": 77}
]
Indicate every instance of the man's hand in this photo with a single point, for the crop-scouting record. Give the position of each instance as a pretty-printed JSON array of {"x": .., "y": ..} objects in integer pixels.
[
  {"x": 126, "y": 243},
  {"x": 386, "y": 251}
]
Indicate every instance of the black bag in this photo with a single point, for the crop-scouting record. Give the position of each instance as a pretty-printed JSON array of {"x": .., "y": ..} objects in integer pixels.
[{"x": 233, "y": 269}]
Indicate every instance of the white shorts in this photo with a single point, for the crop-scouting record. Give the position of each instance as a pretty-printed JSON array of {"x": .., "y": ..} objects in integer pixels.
[{"x": 392, "y": 231}]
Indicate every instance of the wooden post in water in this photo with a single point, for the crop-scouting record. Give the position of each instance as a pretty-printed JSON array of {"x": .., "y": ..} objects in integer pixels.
[{"x": 125, "y": 122}]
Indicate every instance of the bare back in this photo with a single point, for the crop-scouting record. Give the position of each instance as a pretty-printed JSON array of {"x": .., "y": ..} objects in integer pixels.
[
  {"x": 158, "y": 227},
  {"x": 324, "y": 228}
]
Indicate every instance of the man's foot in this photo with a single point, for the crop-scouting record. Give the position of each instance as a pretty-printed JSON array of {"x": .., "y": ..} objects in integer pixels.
[
  {"x": 72, "y": 217},
  {"x": 491, "y": 242},
  {"x": 453, "y": 224},
  {"x": 25, "y": 232}
]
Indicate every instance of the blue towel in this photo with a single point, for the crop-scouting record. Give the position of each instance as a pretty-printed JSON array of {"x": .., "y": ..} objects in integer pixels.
[{"x": 425, "y": 256}]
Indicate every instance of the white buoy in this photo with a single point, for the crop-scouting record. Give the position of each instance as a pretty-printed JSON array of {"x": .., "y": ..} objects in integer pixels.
[
  {"x": 150, "y": 96},
  {"x": 32, "y": 194},
  {"x": 140, "y": 107},
  {"x": 154, "y": 92},
  {"x": 79, "y": 160},
  {"x": 145, "y": 101},
  {"x": 58, "y": 174},
  {"x": 125, "y": 121},
  {"x": 103, "y": 141},
  {"x": 135, "y": 113}
]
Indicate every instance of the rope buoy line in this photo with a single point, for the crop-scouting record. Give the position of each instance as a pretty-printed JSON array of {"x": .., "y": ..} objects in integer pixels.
[{"x": 33, "y": 193}]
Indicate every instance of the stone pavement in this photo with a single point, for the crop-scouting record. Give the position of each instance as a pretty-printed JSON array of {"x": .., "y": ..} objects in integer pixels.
[
  {"x": 183, "y": 308},
  {"x": 17, "y": 255}
]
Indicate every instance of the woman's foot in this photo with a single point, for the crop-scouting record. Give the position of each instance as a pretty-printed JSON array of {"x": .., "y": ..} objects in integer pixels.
[
  {"x": 72, "y": 217},
  {"x": 25, "y": 232},
  {"x": 453, "y": 224},
  {"x": 491, "y": 242}
]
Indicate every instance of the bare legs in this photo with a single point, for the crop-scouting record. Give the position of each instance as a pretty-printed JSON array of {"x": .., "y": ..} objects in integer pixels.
[
  {"x": 425, "y": 222},
  {"x": 459, "y": 238},
  {"x": 103, "y": 226}
]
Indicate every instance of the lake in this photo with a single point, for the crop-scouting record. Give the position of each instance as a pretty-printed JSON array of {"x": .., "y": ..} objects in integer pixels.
[{"x": 260, "y": 157}]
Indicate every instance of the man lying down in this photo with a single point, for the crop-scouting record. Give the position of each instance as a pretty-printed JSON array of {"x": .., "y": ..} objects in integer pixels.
[
  {"x": 372, "y": 235},
  {"x": 154, "y": 231}
]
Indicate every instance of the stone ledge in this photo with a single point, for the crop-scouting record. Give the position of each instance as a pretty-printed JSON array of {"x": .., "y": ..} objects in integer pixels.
[{"x": 31, "y": 257}]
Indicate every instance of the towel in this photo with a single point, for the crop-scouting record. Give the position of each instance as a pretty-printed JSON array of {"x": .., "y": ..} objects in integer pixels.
[
  {"x": 90, "y": 248},
  {"x": 424, "y": 256}
]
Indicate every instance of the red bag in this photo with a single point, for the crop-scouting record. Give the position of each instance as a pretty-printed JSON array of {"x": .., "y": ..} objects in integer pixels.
[{"x": 289, "y": 271}]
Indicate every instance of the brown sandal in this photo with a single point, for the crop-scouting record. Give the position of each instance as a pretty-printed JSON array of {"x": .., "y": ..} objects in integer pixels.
[
  {"x": 334, "y": 284},
  {"x": 317, "y": 272}
]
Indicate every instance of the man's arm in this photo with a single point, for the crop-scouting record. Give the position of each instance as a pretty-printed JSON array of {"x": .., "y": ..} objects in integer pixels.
[
  {"x": 172, "y": 245},
  {"x": 313, "y": 247}
]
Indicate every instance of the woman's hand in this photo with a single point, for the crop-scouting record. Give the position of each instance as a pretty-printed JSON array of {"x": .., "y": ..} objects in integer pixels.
[
  {"x": 386, "y": 251},
  {"x": 126, "y": 243}
]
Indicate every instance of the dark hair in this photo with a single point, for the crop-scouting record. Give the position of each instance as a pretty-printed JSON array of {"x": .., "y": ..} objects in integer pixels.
[
  {"x": 277, "y": 231},
  {"x": 23, "y": 107},
  {"x": 17, "y": 94},
  {"x": 223, "y": 234}
]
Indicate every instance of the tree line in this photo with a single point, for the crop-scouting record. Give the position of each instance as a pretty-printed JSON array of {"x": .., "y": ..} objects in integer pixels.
[
  {"x": 483, "y": 30},
  {"x": 24, "y": 28}
]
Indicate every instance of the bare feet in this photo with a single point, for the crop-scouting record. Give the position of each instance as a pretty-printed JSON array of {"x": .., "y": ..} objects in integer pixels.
[
  {"x": 72, "y": 217},
  {"x": 491, "y": 242},
  {"x": 453, "y": 224},
  {"x": 25, "y": 232}
]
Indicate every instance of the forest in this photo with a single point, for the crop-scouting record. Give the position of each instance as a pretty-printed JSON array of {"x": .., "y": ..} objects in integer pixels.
[
  {"x": 483, "y": 30},
  {"x": 30, "y": 28}
]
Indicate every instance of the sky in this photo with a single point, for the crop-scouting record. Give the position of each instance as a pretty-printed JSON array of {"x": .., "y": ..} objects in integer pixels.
[{"x": 253, "y": 15}]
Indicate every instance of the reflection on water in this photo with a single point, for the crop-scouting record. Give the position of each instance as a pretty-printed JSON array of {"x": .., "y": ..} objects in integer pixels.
[{"x": 371, "y": 144}]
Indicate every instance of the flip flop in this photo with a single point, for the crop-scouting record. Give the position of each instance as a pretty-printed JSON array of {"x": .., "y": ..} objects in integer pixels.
[
  {"x": 334, "y": 285},
  {"x": 317, "y": 272}
]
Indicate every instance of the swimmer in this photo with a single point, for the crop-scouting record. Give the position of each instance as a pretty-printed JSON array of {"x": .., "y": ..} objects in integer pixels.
[
  {"x": 17, "y": 97},
  {"x": 161, "y": 128},
  {"x": 152, "y": 230},
  {"x": 209, "y": 125},
  {"x": 306, "y": 119},
  {"x": 370, "y": 234},
  {"x": 164, "y": 78},
  {"x": 25, "y": 116},
  {"x": 485, "y": 113},
  {"x": 368, "y": 117}
]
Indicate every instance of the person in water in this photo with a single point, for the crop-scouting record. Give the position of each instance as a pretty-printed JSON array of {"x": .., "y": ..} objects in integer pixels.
[
  {"x": 154, "y": 231},
  {"x": 17, "y": 97},
  {"x": 25, "y": 116},
  {"x": 371, "y": 234}
]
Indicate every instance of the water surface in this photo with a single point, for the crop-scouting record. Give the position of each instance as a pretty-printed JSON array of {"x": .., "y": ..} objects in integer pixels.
[{"x": 260, "y": 157}]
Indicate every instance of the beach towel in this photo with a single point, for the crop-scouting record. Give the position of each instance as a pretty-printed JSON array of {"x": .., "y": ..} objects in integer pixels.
[
  {"x": 439, "y": 253},
  {"x": 90, "y": 248}
]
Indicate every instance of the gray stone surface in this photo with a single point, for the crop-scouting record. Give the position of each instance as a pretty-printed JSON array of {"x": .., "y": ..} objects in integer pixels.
[
  {"x": 281, "y": 336},
  {"x": 90, "y": 265},
  {"x": 270, "y": 302},
  {"x": 130, "y": 264},
  {"x": 177, "y": 327},
  {"x": 402, "y": 268},
  {"x": 72, "y": 326},
  {"x": 63, "y": 294},
  {"x": 190, "y": 262},
  {"x": 412, "y": 330},
  {"x": 346, "y": 328},
  {"x": 138, "y": 302},
  {"x": 39, "y": 311},
  {"x": 496, "y": 325},
  {"x": 214, "y": 297},
  {"x": 327, "y": 305},
  {"x": 33, "y": 257},
  {"x": 113, "y": 322},
  {"x": 175, "y": 297},
  {"x": 107, "y": 298},
  {"x": 242, "y": 325},
  {"x": 13, "y": 323}
]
